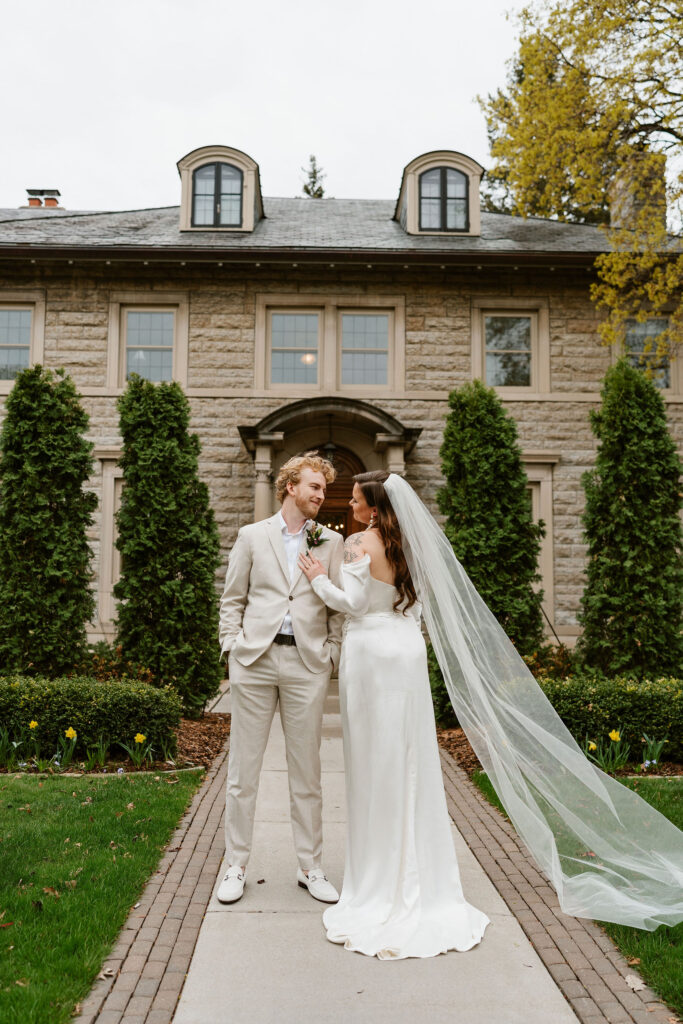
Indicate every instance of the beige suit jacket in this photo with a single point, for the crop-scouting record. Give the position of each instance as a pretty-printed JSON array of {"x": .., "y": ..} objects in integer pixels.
[{"x": 258, "y": 593}]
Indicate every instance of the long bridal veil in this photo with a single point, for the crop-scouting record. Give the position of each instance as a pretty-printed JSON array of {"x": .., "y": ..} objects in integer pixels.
[{"x": 608, "y": 853}]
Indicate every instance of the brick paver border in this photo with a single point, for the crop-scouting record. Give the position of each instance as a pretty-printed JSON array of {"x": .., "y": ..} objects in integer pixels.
[
  {"x": 146, "y": 970},
  {"x": 587, "y": 967},
  {"x": 145, "y": 973}
]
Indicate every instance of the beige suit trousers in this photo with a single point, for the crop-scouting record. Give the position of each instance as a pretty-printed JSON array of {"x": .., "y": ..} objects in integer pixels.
[{"x": 279, "y": 675}]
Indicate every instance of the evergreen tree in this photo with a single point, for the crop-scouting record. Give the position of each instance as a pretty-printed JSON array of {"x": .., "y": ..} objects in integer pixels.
[
  {"x": 632, "y": 604},
  {"x": 486, "y": 501},
  {"x": 45, "y": 595},
  {"x": 168, "y": 611},
  {"x": 313, "y": 186}
]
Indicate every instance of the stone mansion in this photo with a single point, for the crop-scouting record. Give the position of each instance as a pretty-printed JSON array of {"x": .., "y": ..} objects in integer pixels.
[{"x": 334, "y": 324}]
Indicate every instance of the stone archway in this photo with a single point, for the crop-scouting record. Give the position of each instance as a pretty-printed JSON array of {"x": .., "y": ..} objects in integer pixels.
[{"x": 372, "y": 437}]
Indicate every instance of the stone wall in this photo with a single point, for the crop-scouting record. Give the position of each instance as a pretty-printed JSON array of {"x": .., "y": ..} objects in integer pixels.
[{"x": 438, "y": 309}]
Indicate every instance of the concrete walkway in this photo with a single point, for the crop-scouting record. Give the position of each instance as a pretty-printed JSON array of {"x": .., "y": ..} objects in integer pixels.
[
  {"x": 181, "y": 957},
  {"x": 266, "y": 959}
]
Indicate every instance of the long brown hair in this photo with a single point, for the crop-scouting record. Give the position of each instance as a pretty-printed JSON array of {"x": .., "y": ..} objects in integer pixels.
[{"x": 372, "y": 486}]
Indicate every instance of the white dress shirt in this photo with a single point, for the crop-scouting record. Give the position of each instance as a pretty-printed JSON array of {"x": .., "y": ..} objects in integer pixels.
[{"x": 292, "y": 544}]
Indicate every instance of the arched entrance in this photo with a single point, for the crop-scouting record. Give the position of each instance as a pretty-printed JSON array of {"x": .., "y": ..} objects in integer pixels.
[
  {"x": 365, "y": 436},
  {"x": 336, "y": 513}
]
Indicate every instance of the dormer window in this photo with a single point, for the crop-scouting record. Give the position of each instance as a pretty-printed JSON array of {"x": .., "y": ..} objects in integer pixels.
[
  {"x": 217, "y": 196},
  {"x": 220, "y": 190},
  {"x": 440, "y": 194},
  {"x": 443, "y": 200}
]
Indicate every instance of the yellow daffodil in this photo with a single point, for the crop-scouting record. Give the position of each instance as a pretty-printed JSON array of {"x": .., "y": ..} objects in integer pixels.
[
  {"x": 615, "y": 735},
  {"x": 140, "y": 738},
  {"x": 33, "y": 724},
  {"x": 592, "y": 746},
  {"x": 70, "y": 733}
]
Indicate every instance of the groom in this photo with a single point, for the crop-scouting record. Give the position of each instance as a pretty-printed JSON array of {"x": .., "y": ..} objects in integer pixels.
[{"x": 283, "y": 643}]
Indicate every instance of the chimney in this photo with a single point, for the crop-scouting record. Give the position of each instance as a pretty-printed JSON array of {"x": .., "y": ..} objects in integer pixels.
[
  {"x": 639, "y": 185},
  {"x": 48, "y": 197}
]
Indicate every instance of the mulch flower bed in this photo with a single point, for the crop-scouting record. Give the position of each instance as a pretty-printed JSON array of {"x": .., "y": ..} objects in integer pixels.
[
  {"x": 457, "y": 745},
  {"x": 199, "y": 744}
]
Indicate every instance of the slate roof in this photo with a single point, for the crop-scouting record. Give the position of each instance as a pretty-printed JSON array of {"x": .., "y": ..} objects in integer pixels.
[{"x": 360, "y": 227}]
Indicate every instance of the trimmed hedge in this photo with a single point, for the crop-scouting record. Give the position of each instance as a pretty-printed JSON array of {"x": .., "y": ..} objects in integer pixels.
[
  {"x": 592, "y": 705},
  {"x": 116, "y": 710}
]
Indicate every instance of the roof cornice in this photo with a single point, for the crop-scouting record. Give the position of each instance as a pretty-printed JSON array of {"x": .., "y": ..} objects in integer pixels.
[{"x": 294, "y": 256}]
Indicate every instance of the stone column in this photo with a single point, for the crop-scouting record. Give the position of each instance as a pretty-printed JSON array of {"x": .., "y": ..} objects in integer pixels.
[
  {"x": 395, "y": 458},
  {"x": 263, "y": 488},
  {"x": 393, "y": 448},
  {"x": 261, "y": 445}
]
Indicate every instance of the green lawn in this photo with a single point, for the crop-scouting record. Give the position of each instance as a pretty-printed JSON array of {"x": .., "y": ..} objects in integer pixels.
[
  {"x": 660, "y": 952},
  {"x": 75, "y": 854}
]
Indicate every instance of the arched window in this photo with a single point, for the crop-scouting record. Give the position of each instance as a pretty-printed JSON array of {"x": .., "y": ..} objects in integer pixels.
[
  {"x": 217, "y": 196},
  {"x": 444, "y": 201}
]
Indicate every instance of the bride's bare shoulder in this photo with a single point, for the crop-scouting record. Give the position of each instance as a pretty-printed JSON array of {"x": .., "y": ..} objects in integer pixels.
[{"x": 354, "y": 547}]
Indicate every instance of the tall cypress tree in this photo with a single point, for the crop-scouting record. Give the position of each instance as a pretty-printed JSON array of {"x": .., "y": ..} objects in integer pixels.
[
  {"x": 168, "y": 611},
  {"x": 486, "y": 501},
  {"x": 632, "y": 604},
  {"x": 45, "y": 575}
]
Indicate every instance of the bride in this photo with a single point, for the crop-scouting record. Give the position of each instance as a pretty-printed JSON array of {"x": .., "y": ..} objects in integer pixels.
[
  {"x": 608, "y": 854},
  {"x": 402, "y": 895}
]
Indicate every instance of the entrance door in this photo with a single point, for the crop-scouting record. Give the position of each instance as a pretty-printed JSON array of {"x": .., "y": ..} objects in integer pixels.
[{"x": 336, "y": 512}]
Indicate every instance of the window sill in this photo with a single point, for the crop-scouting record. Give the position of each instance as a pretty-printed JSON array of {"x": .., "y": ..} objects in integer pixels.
[{"x": 223, "y": 227}]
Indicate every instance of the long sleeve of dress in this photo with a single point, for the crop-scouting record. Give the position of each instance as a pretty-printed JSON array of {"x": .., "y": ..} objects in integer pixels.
[{"x": 355, "y": 597}]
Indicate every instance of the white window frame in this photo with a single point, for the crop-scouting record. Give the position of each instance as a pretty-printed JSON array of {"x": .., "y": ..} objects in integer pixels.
[
  {"x": 309, "y": 310},
  {"x": 408, "y": 206},
  {"x": 110, "y": 557},
  {"x": 252, "y": 203},
  {"x": 540, "y": 477},
  {"x": 675, "y": 363},
  {"x": 537, "y": 310},
  {"x": 391, "y": 334},
  {"x": 146, "y": 302},
  {"x": 34, "y": 301},
  {"x": 330, "y": 309}
]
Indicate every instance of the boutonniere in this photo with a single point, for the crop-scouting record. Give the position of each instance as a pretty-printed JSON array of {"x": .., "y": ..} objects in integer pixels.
[{"x": 314, "y": 536}]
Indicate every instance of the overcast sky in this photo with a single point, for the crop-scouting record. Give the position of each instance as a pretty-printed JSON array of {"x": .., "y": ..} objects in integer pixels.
[{"x": 101, "y": 100}]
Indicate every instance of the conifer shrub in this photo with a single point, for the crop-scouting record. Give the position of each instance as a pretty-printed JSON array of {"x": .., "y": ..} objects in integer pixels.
[
  {"x": 487, "y": 505},
  {"x": 632, "y": 603},
  {"x": 167, "y": 536},
  {"x": 488, "y": 521},
  {"x": 444, "y": 712},
  {"x": 115, "y": 710},
  {"x": 45, "y": 576}
]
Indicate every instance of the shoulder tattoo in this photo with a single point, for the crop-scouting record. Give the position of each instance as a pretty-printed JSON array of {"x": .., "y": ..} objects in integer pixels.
[{"x": 353, "y": 547}]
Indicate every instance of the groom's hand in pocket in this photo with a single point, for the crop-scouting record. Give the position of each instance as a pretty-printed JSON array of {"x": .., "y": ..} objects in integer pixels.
[{"x": 225, "y": 662}]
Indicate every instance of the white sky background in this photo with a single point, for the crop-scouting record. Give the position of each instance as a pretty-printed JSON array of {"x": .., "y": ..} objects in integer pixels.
[{"x": 101, "y": 100}]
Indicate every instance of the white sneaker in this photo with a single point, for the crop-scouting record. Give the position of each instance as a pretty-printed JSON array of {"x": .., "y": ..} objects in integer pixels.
[
  {"x": 318, "y": 886},
  {"x": 231, "y": 888}
]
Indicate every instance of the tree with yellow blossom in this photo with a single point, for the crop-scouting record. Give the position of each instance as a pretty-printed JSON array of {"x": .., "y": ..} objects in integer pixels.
[{"x": 589, "y": 128}]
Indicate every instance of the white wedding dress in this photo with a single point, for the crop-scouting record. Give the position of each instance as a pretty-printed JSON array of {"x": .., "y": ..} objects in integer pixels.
[{"x": 401, "y": 895}]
